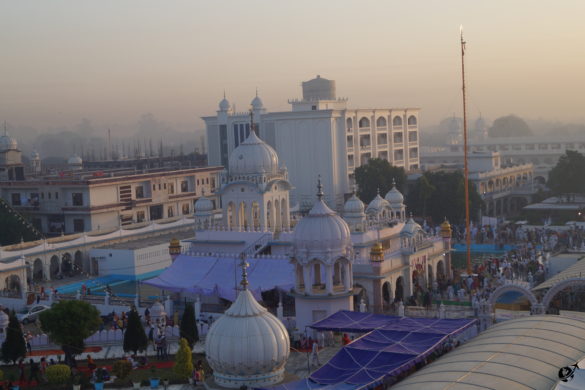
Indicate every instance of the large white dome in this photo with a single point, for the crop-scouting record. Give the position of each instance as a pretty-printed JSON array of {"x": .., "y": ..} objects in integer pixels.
[
  {"x": 322, "y": 233},
  {"x": 252, "y": 157},
  {"x": 247, "y": 345},
  {"x": 8, "y": 143},
  {"x": 394, "y": 197}
]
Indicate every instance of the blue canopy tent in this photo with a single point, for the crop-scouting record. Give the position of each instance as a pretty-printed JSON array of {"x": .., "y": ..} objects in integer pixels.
[
  {"x": 209, "y": 275},
  {"x": 391, "y": 346}
]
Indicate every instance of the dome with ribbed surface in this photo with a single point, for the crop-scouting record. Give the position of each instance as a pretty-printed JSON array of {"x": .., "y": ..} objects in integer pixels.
[
  {"x": 322, "y": 234},
  {"x": 257, "y": 103},
  {"x": 203, "y": 205},
  {"x": 253, "y": 157},
  {"x": 376, "y": 205},
  {"x": 8, "y": 143},
  {"x": 247, "y": 345},
  {"x": 410, "y": 228},
  {"x": 224, "y": 104},
  {"x": 353, "y": 207}
]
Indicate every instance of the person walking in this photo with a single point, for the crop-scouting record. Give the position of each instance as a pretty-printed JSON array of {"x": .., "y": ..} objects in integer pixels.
[{"x": 315, "y": 354}]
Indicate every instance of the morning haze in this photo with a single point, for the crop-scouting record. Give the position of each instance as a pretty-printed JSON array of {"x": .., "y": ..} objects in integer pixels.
[{"x": 112, "y": 62}]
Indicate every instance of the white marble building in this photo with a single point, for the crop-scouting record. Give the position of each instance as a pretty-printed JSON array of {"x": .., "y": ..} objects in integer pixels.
[{"x": 320, "y": 135}]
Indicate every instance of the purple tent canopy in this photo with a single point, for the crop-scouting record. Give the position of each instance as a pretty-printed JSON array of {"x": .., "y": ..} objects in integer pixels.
[
  {"x": 210, "y": 275},
  {"x": 392, "y": 346}
]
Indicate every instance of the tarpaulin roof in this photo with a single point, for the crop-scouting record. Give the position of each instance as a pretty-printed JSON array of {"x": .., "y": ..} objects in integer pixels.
[
  {"x": 392, "y": 346},
  {"x": 211, "y": 275}
]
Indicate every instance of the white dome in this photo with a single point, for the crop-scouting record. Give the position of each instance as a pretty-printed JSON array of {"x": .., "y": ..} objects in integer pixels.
[
  {"x": 247, "y": 345},
  {"x": 8, "y": 143},
  {"x": 376, "y": 205},
  {"x": 353, "y": 206},
  {"x": 410, "y": 228},
  {"x": 257, "y": 103},
  {"x": 321, "y": 233},
  {"x": 75, "y": 160},
  {"x": 224, "y": 104},
  {"x": 203, "y": 205},
  {"x": 35, "y": 156},
  {"x": 253, "y": 156},
  {"x": 394, "y": 197}
]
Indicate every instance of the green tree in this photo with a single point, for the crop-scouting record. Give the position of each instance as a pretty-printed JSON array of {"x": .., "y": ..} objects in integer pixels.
[
  {"x": 376, "y": 175},
  {"x": 188, "y": 326},
  {"x": 567, "y": 176},
  {"x": 509, "y": 126},
  {"x": 15, "y": 227},
  {"x": 446, "y": 200},
  {"x": 134, "y": 337},
  {"x": 14, "y": 347},
  {"x": 69, "y": 323},
  {"x": 183, "y": 360}
]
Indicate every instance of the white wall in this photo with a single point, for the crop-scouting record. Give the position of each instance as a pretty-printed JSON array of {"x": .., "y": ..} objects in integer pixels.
[{"x": 132, "y": 262}]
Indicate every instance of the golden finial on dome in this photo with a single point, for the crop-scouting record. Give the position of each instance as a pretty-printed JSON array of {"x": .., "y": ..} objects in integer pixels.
[
  {"x": 445, "y": 229},
  {"x": 377, "y": 252}
]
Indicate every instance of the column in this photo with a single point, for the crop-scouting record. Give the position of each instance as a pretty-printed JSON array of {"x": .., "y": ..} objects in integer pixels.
[
  {"x": 329, "y": 278},
  {"x": 307, "y": 279},
  {"x": 346, "y": 277}
]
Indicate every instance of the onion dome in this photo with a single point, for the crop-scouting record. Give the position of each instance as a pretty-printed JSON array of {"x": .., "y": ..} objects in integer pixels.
[
  {"x": 203, "y": 205},
  {"x": 410, "y": 228},
  {"x": 224, "y": 104},
  {"x": 257, "y": 103},
  {"x": 247, "y": 346},
  {"x": 253, "y": 157},
  {"x": 322, "y": 233},
  {"x": 394, "y": 197},
  {"x": 377, "y": 204},
  {"x": 445, "y": 229},
  {"x": 377, "y": 252},
  {"x": 8, "y": 143},
  {"x": 75, "y": 160},
  {"x": 353, "y": 207}
]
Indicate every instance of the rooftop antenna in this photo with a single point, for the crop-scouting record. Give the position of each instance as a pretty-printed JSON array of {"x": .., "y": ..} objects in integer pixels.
[
  {"x": 244, "y": 264},
  {"x": 320, "y": 193},
  {"x": 466, "y": 168},
  {"x": 5, "y": 129}
]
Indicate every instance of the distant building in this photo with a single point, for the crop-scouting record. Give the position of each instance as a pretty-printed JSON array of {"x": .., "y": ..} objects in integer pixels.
[
  {"x": 11, "y": 166},
  {"x": 78, "y": 200},
  {"x": 319, "y": 136}
]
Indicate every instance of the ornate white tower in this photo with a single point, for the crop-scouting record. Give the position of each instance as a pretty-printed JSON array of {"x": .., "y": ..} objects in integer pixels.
[
  {"x": 35, "y": 163},
  {"x": 395, "y": 201},
  {"x": 354, "y": 215},
  {"x": 323, "y": 256},
  {"x": 203, "y": 213},
  {"x": 255, "y": 191}
]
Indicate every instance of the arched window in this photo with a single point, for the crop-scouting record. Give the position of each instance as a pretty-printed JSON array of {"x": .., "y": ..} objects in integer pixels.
[
  {"x": 364, "y": 122},
  {"x": 412, "y": 120},
  {"x": 381, "y": 122},
  {"x": 397, "y": 121}
]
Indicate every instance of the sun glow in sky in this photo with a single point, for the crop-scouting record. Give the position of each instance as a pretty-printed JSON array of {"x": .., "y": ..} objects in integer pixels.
[{"x": 112, "y": 60}]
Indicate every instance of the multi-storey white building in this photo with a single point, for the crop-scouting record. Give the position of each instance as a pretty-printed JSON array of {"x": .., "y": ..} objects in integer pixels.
[
  {"x": 319, "y": 136},
  {"x": 78, "y": 200}
]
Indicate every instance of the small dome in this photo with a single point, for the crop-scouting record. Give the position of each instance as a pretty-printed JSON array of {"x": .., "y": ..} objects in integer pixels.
[
  {"x": 8, "y": 143},
  {"x": 321, "y": 232},
  {"x": 35, "y": 156},
  {"x": 394, "y": 197},
  {"x": 224, "y": 104},
  {"x": 247, "y": 345},
  {"x": 252, "y": 157},
  {"x": 410, "y": 228},
  {"x": 203, "y": 205},
  {"x": 75, "y": 160},
  {"x": 257, "y": 103},
  {"x": 353, "y": 206},
  {"x": 377, "y": 205}
]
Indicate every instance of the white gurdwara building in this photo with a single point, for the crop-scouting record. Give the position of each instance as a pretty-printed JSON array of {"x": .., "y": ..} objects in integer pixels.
[{"x": 319, "y": 136}]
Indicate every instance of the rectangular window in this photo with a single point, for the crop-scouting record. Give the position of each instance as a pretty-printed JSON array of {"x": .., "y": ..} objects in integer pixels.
[
  {"x": 154, "y": 187},
  {"x": 207, "y": 180},
  {"x": 412, "y": 136},
  {"x": 350, "y": 141},
  {"x": 529, "y": 147},
  {"x": 223, "y": 145},
  {"x": 139, "y": 192},
  {"x": 140, "y": 216},
  {"x": 236, "y": 137},
  {"x": 42, "y": 195},
  {"x": 383, "y": 155},
  {"x": 77, "y": 198},
  {"x": 49, "y": 195},
  {"x": 350, "y": 160},
  {"x": 399, "y": 155},
  {"x": 56, "y": 195},
  {"x": 185, "y": 208},
  {"x": 16, "y": 199},
  {"x": 382, "y": 139},
  {"x": 398, "y": 138},
  {"x": 184, "y": 186},
  {"x": 78, "y": 225},
  {"x": 413, "y": 153},
  {"x": 171, "y": 188},
  {"x": 542, "y": 147}
]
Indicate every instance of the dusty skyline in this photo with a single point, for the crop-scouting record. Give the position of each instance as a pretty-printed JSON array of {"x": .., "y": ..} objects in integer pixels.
[{"x": 112, "y": 61}]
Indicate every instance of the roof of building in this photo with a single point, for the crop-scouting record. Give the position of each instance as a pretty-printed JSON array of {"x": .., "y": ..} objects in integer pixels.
[
  {"x": 577, "y": 270},
  {"x": 524, "y": 353},
  {"x": 150, "y": 241}
]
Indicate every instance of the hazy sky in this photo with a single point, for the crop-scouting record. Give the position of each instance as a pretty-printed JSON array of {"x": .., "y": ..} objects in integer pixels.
[{"x": 113, "y": 60}]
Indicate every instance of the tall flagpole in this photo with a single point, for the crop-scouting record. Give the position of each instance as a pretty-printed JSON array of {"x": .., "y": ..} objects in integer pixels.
[{"x": 466, "y": 168}]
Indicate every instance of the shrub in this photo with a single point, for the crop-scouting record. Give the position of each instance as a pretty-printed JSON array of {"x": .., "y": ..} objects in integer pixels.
[
  {"x": 184, "y": 363},
  {"x": 122, "y": 368},
  {"x": 58, "y": 374},
  {"x": 1, "y": 375}
]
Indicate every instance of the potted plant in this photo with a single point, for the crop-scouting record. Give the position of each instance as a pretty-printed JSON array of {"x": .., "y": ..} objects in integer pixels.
[
  {"x": 76, "y": 381},
  {"x": 154, "y": 380},
  {"x": 135, "y": 379},
  {"x": 99, "y": 379}
]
